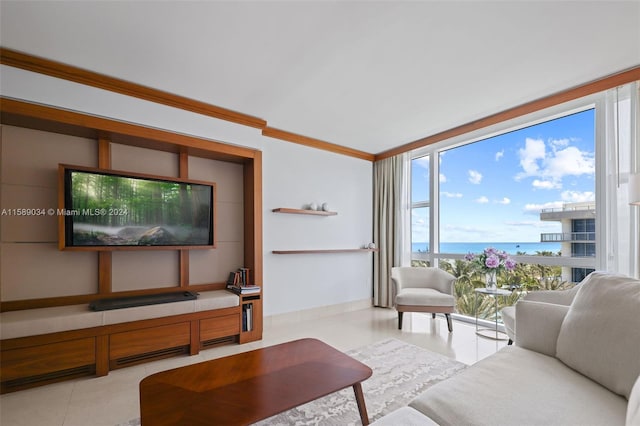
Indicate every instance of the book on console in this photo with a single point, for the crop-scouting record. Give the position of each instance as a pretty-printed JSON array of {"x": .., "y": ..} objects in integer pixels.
[{"x": 247, "y": 289}]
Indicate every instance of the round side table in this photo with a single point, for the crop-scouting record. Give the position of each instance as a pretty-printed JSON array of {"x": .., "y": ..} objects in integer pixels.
[{"x": 488, "y": 332}]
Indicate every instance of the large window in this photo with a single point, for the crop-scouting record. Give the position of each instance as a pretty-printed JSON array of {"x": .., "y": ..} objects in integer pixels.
[
  {"x": 527, "y": 192},
  {"x": 549, "y": 188}
]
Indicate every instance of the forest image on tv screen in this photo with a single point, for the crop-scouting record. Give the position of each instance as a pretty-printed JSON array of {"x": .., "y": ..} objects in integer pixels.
[{"x": 112, "y": 210}]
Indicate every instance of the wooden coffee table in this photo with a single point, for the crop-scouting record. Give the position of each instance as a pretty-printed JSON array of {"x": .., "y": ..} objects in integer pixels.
[{"x": 250, "y": 386}]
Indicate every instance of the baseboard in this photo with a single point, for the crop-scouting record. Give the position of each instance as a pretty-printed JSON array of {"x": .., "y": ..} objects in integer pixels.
[{"x": 316, "y": 313}]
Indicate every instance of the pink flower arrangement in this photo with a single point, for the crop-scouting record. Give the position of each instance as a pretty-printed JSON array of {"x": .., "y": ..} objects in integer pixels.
[{"x": 491, "y": 260}]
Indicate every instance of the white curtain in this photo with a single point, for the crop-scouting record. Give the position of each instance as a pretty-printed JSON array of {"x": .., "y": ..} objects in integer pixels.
[
  {"x": 390, "y": 223},
  {"x": 621, "y": 251}
]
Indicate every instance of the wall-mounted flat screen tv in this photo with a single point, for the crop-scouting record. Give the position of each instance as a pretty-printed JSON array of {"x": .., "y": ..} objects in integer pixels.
[{"x": 111, "y": 210}]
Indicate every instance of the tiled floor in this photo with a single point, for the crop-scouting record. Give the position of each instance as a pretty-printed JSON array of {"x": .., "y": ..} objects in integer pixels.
[{"x": 113, "y": 399}]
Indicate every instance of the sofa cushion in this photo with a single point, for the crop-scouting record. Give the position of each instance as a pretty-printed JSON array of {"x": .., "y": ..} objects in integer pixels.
[
  {"x": 405, "y": 416},
  {"x": 600, "y": 334},
  {"x": 517, "y": 386},
  {"x": 538, "y": 325}
]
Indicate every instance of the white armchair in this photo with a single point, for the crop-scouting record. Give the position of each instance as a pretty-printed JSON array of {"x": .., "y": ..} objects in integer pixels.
[{"x": 420, "y": 289}]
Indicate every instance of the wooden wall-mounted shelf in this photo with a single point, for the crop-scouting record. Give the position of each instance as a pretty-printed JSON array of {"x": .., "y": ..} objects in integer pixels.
[
  {"x": 302, "y": 211},
  {"x": 323, "y": 251}
]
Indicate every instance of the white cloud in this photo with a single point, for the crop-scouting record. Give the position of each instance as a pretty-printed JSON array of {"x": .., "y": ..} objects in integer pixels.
[
  {"x": 577, "y": 196},
  {"x": 550, "y": 166},
  {"x": 475, "y": 177},
  {"x": 570, "y": 161},
  {"x": 537, "y": 208},
  {"x": 419, "y": 225},
  {"x": 482, "y": 200},
  {"x": 499, "y": 155},
  {"x": 533, "y": 224},
  {"x": 463, "y": 228},
  {"x": 443, "y": 178},
  {"x": 560, "y": 142},
  {"x": 534, "y": 151},
  {"x": 451, "y": 194},
  {"x": 545, "y": 184},
  {"x": 566, "y": 197},
  {"x": 504, "y": 201}
]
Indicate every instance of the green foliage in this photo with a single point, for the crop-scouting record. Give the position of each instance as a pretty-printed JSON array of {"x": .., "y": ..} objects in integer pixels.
[{"x": 529, "y": 277}]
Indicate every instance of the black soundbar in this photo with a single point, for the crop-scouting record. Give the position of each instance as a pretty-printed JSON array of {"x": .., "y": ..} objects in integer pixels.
[{"x": 147, "y": 299}]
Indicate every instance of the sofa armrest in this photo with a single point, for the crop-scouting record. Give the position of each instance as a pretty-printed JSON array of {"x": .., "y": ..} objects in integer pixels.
[
  {"x": 538, "y": 325},
  {"x": 559, "y": 297}
]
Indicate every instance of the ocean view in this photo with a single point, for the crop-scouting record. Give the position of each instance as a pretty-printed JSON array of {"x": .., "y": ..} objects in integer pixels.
[{"x": 511, "y": 248}]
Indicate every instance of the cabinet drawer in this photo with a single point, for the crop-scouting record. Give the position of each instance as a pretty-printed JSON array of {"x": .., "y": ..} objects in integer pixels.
[
  {"x": 148, "y": 340},
  {"x": 214, "y": 328},
  {"x": 44, "y": 359}
]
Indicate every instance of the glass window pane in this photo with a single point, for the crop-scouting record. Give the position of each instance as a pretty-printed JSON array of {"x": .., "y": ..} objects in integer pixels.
[
  {"x": 420, "y": 179},
  {"x": 420, "y": 230},
  {"x": 514, "y": 190}
]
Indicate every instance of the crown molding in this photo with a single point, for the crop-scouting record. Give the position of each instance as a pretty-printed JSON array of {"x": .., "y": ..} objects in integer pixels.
[
  {"x": 89, "y": 78},
  {"x": 315, "y": 143},
  {"x": 573, "y": 93},
  {"x": 78, "y": 75}
]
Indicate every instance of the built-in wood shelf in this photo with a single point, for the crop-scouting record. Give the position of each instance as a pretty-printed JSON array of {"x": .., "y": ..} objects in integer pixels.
[
  {"x": 323, "y": 251},
  {"x": 302, "y": 211}
]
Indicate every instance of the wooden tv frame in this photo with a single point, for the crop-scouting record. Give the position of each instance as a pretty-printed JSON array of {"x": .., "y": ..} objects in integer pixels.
[{"x": 106, "y": 132}]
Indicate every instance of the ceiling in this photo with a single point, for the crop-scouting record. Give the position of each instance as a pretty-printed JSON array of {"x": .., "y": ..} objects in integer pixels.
[{"x": 368, "y": 75}]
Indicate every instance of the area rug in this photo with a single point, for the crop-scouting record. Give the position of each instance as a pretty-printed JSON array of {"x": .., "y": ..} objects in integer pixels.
[{"x": 401, "y": 371}]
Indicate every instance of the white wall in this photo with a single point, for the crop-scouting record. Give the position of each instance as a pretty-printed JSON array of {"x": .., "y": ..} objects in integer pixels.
[{"x": 293, "y": 176}]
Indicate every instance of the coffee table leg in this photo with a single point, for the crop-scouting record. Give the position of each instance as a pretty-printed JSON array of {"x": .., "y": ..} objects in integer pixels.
[{"x": 362, "y": 408}]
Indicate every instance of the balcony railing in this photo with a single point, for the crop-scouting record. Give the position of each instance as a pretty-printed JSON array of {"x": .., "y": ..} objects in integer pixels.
[
  {"x": 571, "y": 208},
  {"x": 568, "y": 236}
]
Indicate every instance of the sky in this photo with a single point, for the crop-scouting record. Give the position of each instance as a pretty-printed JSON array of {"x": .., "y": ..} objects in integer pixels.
[{"x": 493, "y": 190}]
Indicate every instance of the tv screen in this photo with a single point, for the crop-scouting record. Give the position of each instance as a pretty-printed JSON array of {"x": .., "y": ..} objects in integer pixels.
[{"x": 105, "y": 209}]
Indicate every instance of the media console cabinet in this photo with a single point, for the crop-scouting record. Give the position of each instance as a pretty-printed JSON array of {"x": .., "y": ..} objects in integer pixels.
[
  {"x": 44, "y": 345},
  {"x": 47, "y": 339}
]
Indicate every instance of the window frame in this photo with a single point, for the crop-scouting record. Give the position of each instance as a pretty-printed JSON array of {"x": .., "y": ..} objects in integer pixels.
[{"x": 596, "y": 102}]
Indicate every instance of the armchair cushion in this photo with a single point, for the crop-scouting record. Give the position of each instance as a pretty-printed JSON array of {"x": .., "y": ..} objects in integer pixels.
[
  {"x": 424, "y": 296},
  {"x": 600, "y": 335}
]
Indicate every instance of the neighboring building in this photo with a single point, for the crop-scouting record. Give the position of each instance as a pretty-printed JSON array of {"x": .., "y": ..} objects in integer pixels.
[{"x": 578, "y": 236}]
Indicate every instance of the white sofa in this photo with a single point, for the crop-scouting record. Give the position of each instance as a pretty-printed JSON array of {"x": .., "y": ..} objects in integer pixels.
[
  {"x": 558, "y": 297},
  {"x": 571, "y": 365}
]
